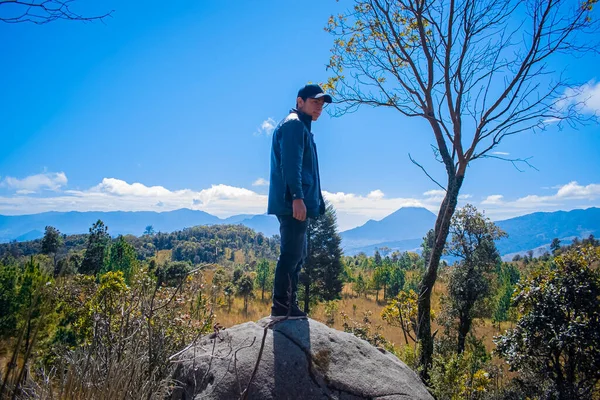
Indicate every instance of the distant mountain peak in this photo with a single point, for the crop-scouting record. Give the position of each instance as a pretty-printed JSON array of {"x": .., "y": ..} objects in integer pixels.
[
  {"x": 410, "y": 211},
  {"x": 403, "y": 224}
]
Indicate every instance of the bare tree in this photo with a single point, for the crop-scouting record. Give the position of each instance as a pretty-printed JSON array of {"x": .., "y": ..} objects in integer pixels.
[
  {"x": 42, "y": 11},
  {"x": 477, "y": 71}
]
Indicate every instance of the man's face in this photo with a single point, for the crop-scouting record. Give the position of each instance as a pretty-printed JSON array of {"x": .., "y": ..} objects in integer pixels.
[{"x": 312, "y": 107}]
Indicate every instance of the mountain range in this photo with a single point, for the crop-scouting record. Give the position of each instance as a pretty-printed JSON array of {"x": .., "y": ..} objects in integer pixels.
[
  {"x": 30, "y": 227},
  {"x": 402, "y": 230}
]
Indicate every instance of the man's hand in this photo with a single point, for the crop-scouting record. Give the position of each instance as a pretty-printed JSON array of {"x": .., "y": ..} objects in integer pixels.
[{"x": 299, "y": 209}]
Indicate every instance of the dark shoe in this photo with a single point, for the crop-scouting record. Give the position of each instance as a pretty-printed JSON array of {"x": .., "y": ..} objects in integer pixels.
[
  {"x": 282, "y": 311},
  {"x": 297, "y": 313},
  {"x": 278, "y": 310}
]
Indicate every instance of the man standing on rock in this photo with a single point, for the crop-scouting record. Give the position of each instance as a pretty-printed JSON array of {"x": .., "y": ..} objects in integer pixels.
[{"x": 295, "y": 195}]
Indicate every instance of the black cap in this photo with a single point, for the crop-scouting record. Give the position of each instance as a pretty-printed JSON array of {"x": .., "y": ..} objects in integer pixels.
[{"x": 313, "y": 92}]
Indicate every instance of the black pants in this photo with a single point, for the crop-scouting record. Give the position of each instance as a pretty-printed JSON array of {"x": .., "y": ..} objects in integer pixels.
[{"x": 292, "y": 256}]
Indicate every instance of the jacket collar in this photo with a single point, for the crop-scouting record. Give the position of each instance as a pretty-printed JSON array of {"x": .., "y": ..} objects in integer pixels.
[{"x": 307, "y": 119}]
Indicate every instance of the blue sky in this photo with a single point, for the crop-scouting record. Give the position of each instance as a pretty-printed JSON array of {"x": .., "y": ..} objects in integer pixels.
[{"x": 161, "y": 108}]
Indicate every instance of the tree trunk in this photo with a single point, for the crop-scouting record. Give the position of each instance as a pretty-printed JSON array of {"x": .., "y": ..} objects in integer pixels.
[
  {"x": 464, "y": 325},
  {"x": 263, "y": 294},
  {"x": 28, "y": 333},
  {"x": 306, "y": 295},
  {"x": 442, "y": 228},
  {"x": 559, "y": 379},
  {"x": 402, "y": 325}
]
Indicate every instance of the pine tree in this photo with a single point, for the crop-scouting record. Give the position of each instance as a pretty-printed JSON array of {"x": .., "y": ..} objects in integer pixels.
[
  {"x": 122, "y": 258},
  {"x": 396, "y": 282},
  {"x": 228, "y": 292},
  {"x": 244, "y": 288},
  {"x": 263, "y": 273},
  {"x": 377, "y": 282},
  {"x": 97, "y": 246},
  {"x": 377, "y": 258},
  {"x": 555, "y": 246},
  {"x": 322, "y": 273},
  {"x": 360, "y": 286},
  {"x": 149, "y": 230},
  {"x": 51, "y": 243}
]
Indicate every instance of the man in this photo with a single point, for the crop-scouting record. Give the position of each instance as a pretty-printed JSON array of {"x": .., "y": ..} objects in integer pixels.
[{"x": 295, "y": 195}]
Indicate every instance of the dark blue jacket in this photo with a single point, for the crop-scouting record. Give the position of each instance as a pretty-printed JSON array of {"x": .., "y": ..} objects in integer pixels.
[{"x": 295, "y": 167}]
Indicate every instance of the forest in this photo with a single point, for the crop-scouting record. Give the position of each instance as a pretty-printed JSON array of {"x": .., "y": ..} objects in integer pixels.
[{"x": 76, "y": 311}]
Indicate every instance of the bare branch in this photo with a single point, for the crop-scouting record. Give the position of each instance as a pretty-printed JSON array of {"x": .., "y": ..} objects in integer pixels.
[
  {"x": 42, "y": 11},
  {"x": 513, "y": 161},
  {"x": 426, "y": 173}
]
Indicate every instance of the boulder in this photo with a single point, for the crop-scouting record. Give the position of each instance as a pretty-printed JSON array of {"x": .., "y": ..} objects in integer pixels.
[{"x": 301, "y": 359}]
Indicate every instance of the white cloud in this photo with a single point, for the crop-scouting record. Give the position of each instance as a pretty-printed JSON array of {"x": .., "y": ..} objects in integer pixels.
[
  {"x": 221, "y": 200},
  {"x": 573, "y": 190},
  {"x": 500, "y": 153},
  {"x": 493, "y": 199},
  {"x": 533, "y": 201},
  {"x": 551, "y": 120},
  {"x": 375, "y": 195},
  {"x": 435, "y": 197},
  {"x": 440, "y": 194},
  {"x": 115, "y": 194},
  {"x": 567, "y": 197},
  {"x": 586, "y": 96},
  {"x": 570, "y": 191},
  {"x": 260, "y": 182},
  {"x": 122, "y": 188},
  {"x": 35, "y": 183},
  {"x": 267, "y": 127},
  {"x": 435, "y": 193}
]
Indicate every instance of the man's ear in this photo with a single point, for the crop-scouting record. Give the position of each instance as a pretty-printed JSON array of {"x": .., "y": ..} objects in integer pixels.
[{"x": 299, "y": 102}]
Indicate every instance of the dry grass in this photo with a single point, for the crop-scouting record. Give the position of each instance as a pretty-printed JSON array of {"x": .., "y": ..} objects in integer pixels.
[{"x": 258, "y": 309}]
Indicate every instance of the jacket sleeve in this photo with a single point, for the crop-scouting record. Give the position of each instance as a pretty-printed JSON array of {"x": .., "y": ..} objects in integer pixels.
[{"x": 292, "y": 149}]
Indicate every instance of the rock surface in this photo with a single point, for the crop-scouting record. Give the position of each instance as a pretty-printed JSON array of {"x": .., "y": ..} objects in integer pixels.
[{"x": 302, "y": 359}]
